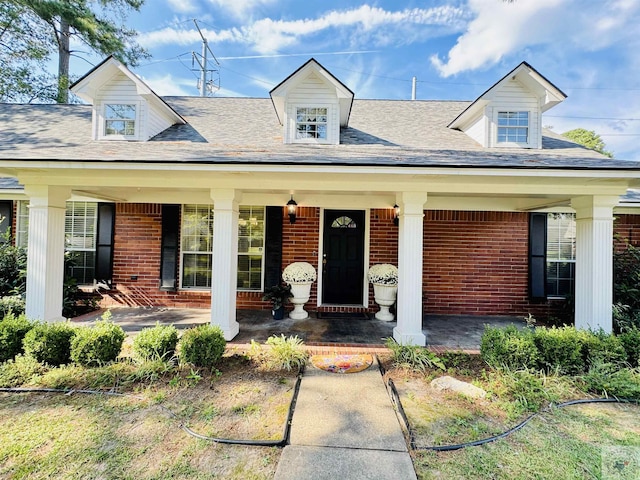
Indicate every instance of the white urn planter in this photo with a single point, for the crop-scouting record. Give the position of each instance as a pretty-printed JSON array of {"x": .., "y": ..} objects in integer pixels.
[
  {"x": 384, "y": 278},
  {"x": 300, "y": 275},
  {"x": 301, "y": 293},
  {"x": 385, "y": 296}
]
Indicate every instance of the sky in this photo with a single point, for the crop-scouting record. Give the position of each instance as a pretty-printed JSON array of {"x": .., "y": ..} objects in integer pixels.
[{"x": 590, "y": 49}]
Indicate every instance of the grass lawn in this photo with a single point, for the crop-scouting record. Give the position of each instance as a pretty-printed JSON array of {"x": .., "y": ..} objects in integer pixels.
[
  {"x": 89, "y": 436},
  {"x": 107, "y": 437},
  {"x": 568, "y": 443}
]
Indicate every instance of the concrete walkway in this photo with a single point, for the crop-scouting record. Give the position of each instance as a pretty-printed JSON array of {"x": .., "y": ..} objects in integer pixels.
[{"x": 344, "y": 427}]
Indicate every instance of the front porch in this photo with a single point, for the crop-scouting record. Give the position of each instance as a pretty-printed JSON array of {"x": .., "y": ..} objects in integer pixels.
[{"x": 321, "y": 332}]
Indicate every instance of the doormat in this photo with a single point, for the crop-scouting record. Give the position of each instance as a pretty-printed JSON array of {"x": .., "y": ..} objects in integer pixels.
[
  {"x": 342, "y": 363},
  {"x": 343, "y": 316}
]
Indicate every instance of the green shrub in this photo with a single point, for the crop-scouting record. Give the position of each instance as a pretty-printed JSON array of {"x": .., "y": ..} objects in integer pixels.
[
  {"x": 157, "y": 342},
  {"x": 12, "y": 304},
  {"x": 560, "y": 349},
  {"x": 509, "y": 347},
  {"x": 630, "y": 340},
  {"x": 626, "y": 294},
  {"x": 97, "y": 345},
  {"x": 609, "y": 380},
  {"x": 50, "y": 343},
  {"x": 600, "y": 347},
  {"x": 20, "y": 371},
  {"x": 413, "y": 357},
  {"x": 13, "y": 266},
  {"x": 202, "y": 346},
  {"x": 284, "y": 353},
  {"x": 12, "y": 332}
]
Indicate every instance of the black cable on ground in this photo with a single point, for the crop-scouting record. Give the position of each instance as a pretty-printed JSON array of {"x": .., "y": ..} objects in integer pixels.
[
  {"x": 229, "y": 441},
  {"x": 395, "y": 399}
]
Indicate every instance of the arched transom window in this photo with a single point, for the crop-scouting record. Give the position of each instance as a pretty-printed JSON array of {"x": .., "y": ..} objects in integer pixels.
[{"x": 343, "y": 222}]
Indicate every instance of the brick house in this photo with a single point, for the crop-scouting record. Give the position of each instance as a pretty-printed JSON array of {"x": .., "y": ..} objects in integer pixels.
[{"x": 181, "y": 202}]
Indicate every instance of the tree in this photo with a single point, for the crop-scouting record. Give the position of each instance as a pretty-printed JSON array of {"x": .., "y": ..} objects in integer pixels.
[
  {"x": 589, "y": 139},
  {"x": 98, "y": 24},
  {"x": 24, "y": 48}
]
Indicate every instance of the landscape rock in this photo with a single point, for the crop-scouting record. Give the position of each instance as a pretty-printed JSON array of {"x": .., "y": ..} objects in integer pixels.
[{"x": 458, "y": 386}]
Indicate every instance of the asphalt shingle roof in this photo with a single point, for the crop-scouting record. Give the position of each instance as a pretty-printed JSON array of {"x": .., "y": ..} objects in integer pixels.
[{"x": 246, "y": 130}]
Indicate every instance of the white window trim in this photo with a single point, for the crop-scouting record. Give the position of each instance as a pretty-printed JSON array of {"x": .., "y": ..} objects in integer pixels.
[
  {"x": 293, "y": 122},
  {"x": 102, "y": 121},
  {"x": 208, "y": 289},
  {"x": 182, "y": 253},
  {"x": 573, "y": 261},
  {"x": 262, "y": 253},
  {"x": 494, "y": 136}
]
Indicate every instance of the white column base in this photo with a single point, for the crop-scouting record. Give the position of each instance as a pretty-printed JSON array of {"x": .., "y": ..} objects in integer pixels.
[{"x": 409, "y": 338}]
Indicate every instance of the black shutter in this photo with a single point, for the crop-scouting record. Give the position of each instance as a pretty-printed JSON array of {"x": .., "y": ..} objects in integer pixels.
[
  {"x": 538, "y": 256},
  {"x": 6, "y": 214},
  {"x": 104, "y": 244},
  {"x": 273, "y": 246},
  {"x": 169, "y": 259}
]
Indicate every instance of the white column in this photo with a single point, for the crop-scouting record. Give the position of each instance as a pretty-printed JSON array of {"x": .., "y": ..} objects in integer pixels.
[
  {"x": 409, "y": 328},
  {"x": 224, "y": 275},
  {"x": 45, "y": 252},
  {"x": 594, "y": 262}
]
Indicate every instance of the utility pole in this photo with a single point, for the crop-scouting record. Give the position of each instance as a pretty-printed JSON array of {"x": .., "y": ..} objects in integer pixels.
[
  {"x": 205, "y": 85},
  {"x": 413, "y": 88}
]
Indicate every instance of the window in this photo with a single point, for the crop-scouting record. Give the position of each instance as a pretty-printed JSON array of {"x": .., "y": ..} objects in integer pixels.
[
  {"x": 197, "y": 247},
  {"x": 250, "y": 248},
  {"x": 561, "y": 254},
  {"x": 80, "y": 240},
  {"x": 513, "y": 127},
  {"x": 343, "y": 222},
  {"x": 311, "y": 123},
  {"x": 80, "y": 226},
  {"x": 120, "y": 119}
]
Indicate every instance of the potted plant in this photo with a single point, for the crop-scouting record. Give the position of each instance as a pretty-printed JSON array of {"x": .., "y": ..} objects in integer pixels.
[
  {"x": 300, "y": 275},
  {"x": 384, "y": 278},
  {"x": 279, "y": 296}
]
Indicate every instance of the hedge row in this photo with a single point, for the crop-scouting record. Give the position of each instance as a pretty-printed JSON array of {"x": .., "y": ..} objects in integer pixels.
[
  {"x": 61, "y": 343},
  {"x": 563, "y": 350}
]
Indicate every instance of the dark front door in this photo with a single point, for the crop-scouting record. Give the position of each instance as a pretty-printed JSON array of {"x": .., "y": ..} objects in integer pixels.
[{"x": 343, "y": 257}]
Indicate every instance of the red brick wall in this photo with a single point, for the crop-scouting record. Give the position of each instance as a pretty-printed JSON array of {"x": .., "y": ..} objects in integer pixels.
[
  {"x": 383, "y": 246},
  {"x": 627, "y": 228},
  {"x": 475, "y": 262},
  {"x": 136, "y": 261},
  {"x": 300, "y": 244}
]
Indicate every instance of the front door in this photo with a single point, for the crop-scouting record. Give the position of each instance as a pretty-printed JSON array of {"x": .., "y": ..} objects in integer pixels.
[{"x": 343, "y": 257}]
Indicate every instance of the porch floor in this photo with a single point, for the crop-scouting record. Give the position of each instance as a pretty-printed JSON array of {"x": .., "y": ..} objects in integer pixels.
[{"x": 327, "y": 334}]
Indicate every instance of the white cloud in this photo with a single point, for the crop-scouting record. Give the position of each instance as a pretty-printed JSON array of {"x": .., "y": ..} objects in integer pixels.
[
  {"x": 183, "y": 6},
  {"x": 168, "y": 85},
  {"x": 240, "y": 8},
  {"x": 501, "y": 28},
  {"x": 364, "y": 25}
]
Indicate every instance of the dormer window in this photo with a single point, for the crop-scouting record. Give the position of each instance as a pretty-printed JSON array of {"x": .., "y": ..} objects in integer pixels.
[
  {"x": 513, "y": 127},
  {"x": 120, "y": 119},
  {"x": 311, "y": 123}
]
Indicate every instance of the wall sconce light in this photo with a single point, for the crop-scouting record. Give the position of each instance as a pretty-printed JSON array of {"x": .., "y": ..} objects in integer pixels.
[
  {"x": 396, "y": 215},
  {"x": 292, "y": 208}
]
